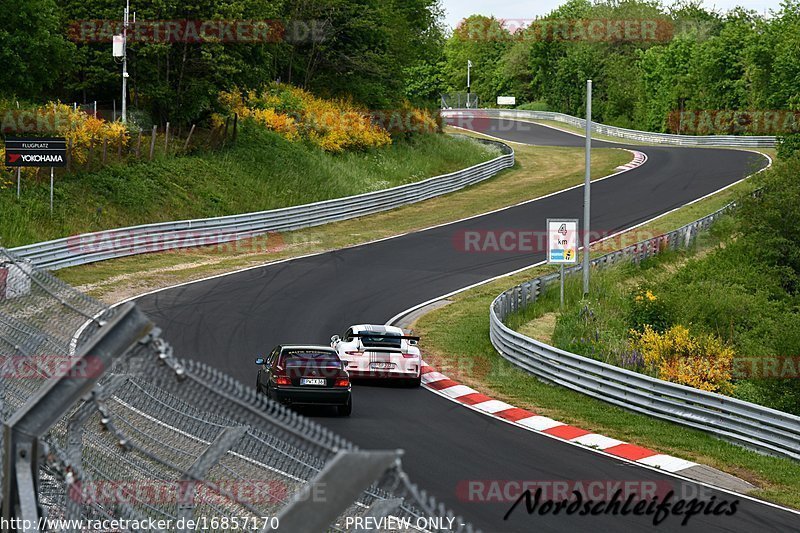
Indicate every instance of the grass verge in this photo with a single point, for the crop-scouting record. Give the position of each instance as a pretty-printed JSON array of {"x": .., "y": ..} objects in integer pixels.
[
  {"x": 539, "y": 171},
  {"x": 457, "y": 342}
]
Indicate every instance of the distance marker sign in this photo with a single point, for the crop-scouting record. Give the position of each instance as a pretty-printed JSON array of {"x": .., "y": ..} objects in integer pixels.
[
  {"x": 36, "y": 152},
  {"x": 562, "y": 241}
]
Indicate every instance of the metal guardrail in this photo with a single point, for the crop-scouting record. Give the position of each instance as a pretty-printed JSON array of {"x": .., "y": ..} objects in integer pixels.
[
  {"x": 746, "y": 423},
  {"x": 99, "y": 246},
  {"x": 743, "y": 141},
  {"x": 102, "y": 421}
]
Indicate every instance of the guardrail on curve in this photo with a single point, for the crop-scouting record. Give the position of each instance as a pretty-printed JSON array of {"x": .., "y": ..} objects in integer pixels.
[
  {"x": 742, "y": 141},
  {"x": 746, "y": 423},
  {"x": 121, "y": 242}
]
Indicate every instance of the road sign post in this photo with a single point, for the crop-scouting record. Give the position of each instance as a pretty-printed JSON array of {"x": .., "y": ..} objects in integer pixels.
[
  {"x": 562, "y": 245},
  {"x": 587, "y": 189},
  {"x": 469, "y": 88}
]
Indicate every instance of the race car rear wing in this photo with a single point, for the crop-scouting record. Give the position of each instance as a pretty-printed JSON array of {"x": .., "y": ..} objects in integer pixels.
[{"x": 408, "y": 337}]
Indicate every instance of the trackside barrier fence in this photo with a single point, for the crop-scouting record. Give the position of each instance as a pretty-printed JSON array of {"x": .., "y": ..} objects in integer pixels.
[
  {"x": 121, "y": 242},
  {"x": 743, "y": 141},
  {"x": 103, "y": 422},
  {"x": 746, "y": 423}
]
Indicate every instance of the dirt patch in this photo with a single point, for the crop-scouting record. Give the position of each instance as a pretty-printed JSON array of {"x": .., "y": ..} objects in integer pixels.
[{"x": 541, "y": 328}]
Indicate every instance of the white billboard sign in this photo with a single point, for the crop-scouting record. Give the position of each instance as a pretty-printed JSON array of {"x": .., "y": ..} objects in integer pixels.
[{"x": 562, "y": 241}]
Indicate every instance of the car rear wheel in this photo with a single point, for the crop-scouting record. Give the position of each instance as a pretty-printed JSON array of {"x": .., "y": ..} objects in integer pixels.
[
  {"x": 346, "y": 409},
  {"x": 414, "y": 382}
]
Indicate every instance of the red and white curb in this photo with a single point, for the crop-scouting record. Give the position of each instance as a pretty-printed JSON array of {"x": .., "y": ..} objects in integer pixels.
[
  {"x": 444, "y": 386},
  {"x": 639, "y": 159}
]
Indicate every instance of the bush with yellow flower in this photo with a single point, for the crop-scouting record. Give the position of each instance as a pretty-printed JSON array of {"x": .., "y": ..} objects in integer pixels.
[
  {"x": 701, "y": 361},
  {"x": 647, "y": 309},
  {"x": 332, "y": 125}
]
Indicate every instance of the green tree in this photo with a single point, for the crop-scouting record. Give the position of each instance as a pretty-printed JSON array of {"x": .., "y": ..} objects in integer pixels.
[
  {"x": 33, "y": 50},
  {"x": 483, "y": 41}
]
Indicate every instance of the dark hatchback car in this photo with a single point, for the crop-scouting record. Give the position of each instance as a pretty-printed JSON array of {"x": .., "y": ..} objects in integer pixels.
[{"x": 305, "y": 375}]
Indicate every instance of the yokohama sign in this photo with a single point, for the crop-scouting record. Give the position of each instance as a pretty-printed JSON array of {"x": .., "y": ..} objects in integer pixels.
[{"x": 36, "y": 152}]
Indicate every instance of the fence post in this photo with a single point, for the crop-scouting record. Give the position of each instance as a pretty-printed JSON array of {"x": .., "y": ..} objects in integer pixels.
[
  {"x": 153, "y": 143},
  {"x": 138, "y": 143},
  {"x": 227, "y": 438},
  {"x": 69, "y": 155},
  {"x": 22, "y": 449},
  {"x": 166, "y": 139},
  {"x": 235, "y": 122},
  {"x": 186, "y": 144}
]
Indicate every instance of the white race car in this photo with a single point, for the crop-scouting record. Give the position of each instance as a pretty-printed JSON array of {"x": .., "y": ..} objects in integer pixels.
[{"x": 372, "y": 351}]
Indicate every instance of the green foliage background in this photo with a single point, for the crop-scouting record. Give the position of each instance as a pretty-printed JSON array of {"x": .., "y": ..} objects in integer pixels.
[
  {"x": 739, "y": 60},
  {"x": 369, "y": 50}
]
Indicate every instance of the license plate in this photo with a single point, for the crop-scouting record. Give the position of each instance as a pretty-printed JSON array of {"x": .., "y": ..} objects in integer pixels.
[
  {"x": 312, "y": 381},
  {"x": 382, "y": 366}
]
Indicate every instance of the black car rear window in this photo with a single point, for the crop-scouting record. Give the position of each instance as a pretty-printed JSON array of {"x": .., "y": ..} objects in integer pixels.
[
  {"x": 387, "y": 340},
  {"x": 295, "y": 357}
]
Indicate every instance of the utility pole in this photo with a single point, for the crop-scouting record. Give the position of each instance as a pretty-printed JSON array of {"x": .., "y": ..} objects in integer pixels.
[
  {"x": 469, "y": 66},
  {"x": 587, "y": 192},
  {"x": 125, "y": 61}
]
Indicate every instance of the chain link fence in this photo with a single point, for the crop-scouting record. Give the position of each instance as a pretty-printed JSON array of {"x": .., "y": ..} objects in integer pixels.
[{"x": 151, "y": 437}]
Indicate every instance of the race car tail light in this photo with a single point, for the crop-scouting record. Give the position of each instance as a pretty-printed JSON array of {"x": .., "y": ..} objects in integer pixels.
[
  {"x": 409, "y": 355},
  {"x": 342, "y": 382},
  {"x": 282, "y": 380},
  {"x": 356, "y": 352}
]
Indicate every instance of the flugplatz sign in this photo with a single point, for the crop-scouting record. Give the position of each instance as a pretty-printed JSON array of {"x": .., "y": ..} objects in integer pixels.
[{"x": 36, "y": 152}]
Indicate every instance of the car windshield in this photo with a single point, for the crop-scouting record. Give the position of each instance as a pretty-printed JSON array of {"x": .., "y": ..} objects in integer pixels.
[
  {"x": 375, "y": 339},
  {"x": 313, "y": 357}
]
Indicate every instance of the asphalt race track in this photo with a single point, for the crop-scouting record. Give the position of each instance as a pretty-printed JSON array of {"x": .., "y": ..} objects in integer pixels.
[{"x": 227, "y": 321}]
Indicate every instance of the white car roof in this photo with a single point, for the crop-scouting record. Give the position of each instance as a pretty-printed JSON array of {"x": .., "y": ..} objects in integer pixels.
[{"x": 377, "y": 328}]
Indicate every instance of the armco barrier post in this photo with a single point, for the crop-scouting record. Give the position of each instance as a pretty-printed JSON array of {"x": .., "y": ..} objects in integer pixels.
[{"x": 22, "y": 448}]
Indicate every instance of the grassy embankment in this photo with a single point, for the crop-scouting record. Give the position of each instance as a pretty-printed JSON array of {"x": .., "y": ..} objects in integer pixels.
[{"x": 260, "y": 171}]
